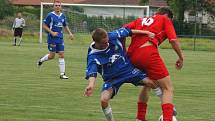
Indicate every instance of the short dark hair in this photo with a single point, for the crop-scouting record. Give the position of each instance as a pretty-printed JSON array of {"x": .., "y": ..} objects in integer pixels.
[
  {"x": 165, "y": 10},
  {"x": 56, "y": 1},
  {"x": 98, "y": 34}
]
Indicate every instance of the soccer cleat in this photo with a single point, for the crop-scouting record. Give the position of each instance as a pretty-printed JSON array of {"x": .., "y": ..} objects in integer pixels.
[
  {"x": 63, "y": 76},
  {"x": 141, "y": 120},
  {"x": 161, "y": 118},
  {"x": 174, "y": 111},
  {"x": 39, "y": 63}
]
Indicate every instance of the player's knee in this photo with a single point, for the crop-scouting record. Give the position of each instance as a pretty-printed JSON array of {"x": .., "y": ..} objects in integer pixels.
[
  {"x": 51, "y": 57},
  {"x": 61, "y": 55},
  {"x": 168, "y": 89}
]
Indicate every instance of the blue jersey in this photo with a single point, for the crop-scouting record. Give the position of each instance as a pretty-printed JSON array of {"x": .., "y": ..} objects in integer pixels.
[
  {"x": 112, "y": 61},
  {"x": 55, "y": 23}
]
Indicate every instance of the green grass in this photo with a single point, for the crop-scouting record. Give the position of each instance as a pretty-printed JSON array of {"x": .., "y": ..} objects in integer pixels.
[
  {"x": 28, "y": 93},
  {"x": 199, "y": 44}
]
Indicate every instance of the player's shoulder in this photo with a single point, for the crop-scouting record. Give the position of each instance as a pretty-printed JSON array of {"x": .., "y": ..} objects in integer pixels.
[
  {"x": 50, "y": 13},
  {"x": 62, "y": 14},
  {"x": 91, "y": 50},
  {"x": 112, "y": 37}
]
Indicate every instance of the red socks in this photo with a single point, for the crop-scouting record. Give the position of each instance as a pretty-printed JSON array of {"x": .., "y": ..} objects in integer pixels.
[
  {"x": 141, "y": 111},
  {"x": 167, "y": 111}
]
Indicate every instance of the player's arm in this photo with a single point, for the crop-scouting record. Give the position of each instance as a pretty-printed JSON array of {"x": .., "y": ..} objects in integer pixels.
[
  {"x": 69, "y": 32},
  {"x": 14, "y": 23},
  {"x": 177, "y": 47},
  {"x": 171, "y": 35},
  {"x": 66, "y": 28},
  {"x": 90, "y": 87},
  {"x": 23, "y": 22},
  {"x": 125, "y": 32},
  {"x": 91, "y": 74},
  {"x": 47, "y": 29},
  {"x": 46, "y": 23},
  {"x": 150, "y": 34}
]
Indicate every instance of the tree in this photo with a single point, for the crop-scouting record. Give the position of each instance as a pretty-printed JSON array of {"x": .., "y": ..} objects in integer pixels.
[
  {"x": 209, "y": 6},
  {"x": 144, "y": 2},
  {"x": 5, "y": 9},
  {"x": 180, "y": 6}
]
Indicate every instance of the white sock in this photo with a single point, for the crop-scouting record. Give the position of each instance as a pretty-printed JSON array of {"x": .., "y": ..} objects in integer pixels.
[
  {"x": 108, "y": 113},
  {"x": 62, "y": 66},
  {"x": 158, "y": 92},
  {"x": 45, "y": 58},
  {"x": 14, "y": 40}
]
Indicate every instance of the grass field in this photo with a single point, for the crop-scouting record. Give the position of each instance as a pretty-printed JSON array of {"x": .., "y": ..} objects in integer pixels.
[{"x": 28, "y": 93}]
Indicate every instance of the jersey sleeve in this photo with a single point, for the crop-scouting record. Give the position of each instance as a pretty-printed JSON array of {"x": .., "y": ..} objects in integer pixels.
[
  {"x": 169, "y": 29},
  {"x": 47, "y": 20},
  {"x": 120, "y": 33},
  {"x": 23, "y": 22},
  {"x": 14, "y": 23},
  {"x": 65, "y": 21},
  {"x": 91, "y": 70}
]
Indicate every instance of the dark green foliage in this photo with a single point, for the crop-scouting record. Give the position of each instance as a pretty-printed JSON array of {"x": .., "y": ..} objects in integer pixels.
[
  {"x": 179, "y": 6},
  {"x": 5, "y": 9},
  {"x": 144, "y": 2},
  {"x": 183, "y": 28}
]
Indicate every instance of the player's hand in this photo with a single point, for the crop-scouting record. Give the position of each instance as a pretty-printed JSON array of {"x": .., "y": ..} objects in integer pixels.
[
  {"x": 88, "y": 91},
  {"x": 151, "y": 35},
  {"x": 54, "y": 34},
  {"x": 179, "y": 64},
  {"x": 71, "y": 36}
]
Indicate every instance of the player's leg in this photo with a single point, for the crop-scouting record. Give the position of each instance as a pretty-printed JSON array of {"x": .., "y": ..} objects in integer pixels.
[
  {"x": 62, "y": 65},
  {"x": 46, "y": 57},
  {"x": 49, "y": 56},
  {"x": 157, "y": 71},
  {"x": 15, "y": 35},
  {"x": 140, "y": 60},
  {"x": 167, "y": 98},
  {"x": 20, "y": 40},
  {"x": 106, "y": 95},
  {"x": 20, "y": 36},
  {"x": 159, "y": 93},
  {"x": 14, "y": 44},
  {"x": 142, "y": 103},
  {"x": 141, "y": 79},
  {"x": 152, "y": 63}
]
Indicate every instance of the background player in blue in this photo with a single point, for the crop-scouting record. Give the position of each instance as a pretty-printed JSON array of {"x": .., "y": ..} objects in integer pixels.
[
  {"x": 107, "y": 56},
  {"x": 54, "y": 24}
]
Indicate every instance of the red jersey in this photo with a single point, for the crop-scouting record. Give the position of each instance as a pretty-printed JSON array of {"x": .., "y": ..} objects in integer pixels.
[{"x": 160, "y": 25}]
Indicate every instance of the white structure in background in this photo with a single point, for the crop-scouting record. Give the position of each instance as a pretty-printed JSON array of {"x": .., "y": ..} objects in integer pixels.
[
  {"x": 102, "y": 10},
  {"x": 202, "y": 17}
]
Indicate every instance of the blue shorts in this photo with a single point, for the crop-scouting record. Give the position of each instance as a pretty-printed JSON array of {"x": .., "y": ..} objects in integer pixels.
[
  {"x": 134, "y": 77},
  {"x": 56, "y": 47}
]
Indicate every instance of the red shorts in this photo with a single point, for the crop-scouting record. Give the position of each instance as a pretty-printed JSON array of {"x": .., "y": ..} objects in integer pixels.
[{"x": 149, "y": 60}]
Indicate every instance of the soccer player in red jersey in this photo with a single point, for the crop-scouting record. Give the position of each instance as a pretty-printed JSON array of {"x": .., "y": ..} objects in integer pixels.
[{"x": 143, "y": 53}]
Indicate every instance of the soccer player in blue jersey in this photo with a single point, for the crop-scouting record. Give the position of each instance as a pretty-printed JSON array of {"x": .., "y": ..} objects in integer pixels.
[
  {"x": 54, "y": 24},
  {"x": 107, "y": 56}
]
